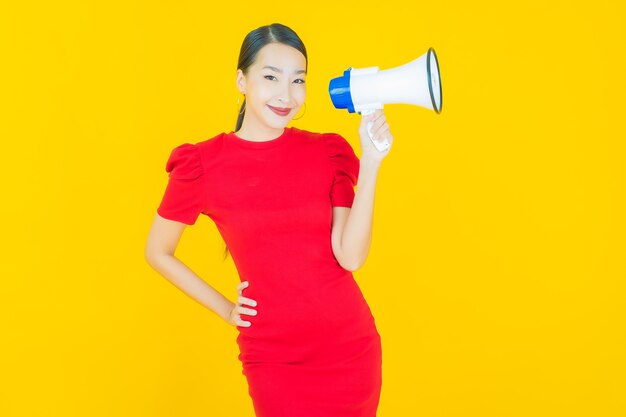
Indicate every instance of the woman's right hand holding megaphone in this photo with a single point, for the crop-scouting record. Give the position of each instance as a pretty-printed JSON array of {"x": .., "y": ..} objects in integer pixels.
[{"x": 380, "y": 130}]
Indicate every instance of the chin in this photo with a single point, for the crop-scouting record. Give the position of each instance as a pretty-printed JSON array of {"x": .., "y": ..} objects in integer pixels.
[{"x": 277, "y": 124}]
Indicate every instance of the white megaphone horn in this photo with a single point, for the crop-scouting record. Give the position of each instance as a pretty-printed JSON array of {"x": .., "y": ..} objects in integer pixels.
[{"x": 365, "y": 90}]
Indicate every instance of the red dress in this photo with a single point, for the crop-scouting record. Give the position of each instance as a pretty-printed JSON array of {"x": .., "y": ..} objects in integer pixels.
[{"x": 313, "y": 349}]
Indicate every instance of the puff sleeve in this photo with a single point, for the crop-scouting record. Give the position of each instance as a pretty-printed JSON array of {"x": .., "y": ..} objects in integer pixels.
[
  {"x": 345, "y": 166},
  {"x": 183, "y": 198}
]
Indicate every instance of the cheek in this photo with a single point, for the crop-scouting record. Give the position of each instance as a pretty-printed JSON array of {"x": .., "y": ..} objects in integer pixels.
[
  {"x": 300, "y": 95},
  {"x": 262, "y": 89},
  {"x": 262, "y": 92}
]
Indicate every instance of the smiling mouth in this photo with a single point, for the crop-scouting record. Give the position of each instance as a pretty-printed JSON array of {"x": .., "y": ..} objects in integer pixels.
[{"x": 280, "y": 110}]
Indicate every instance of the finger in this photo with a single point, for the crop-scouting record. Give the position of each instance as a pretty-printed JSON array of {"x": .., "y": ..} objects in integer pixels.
[
  {"x": 379, "y": 130},
  {"x": 247, "y": 311},
  {"x": 242, "y": 285},
  {"x": 246, "y": 300},
  {"x": 375, "y": 126},
  {"x": 370, "y": 118},
  {"x": 243, "y": 323}
]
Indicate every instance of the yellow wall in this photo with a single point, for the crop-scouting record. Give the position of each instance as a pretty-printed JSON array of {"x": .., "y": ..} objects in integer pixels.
[{"x": 496, "y": 274}]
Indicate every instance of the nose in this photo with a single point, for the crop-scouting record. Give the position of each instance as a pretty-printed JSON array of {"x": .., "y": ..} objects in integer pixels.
[
  {"x": 284, "y": 96},
  {"x": 283, "y": 99}
]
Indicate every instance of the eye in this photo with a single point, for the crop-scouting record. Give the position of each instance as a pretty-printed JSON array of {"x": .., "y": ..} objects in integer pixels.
[{"x": 271, "y": 77}]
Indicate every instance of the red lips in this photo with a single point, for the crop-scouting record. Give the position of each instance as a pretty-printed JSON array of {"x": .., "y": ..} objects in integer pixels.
[{"x": 281, "y": 111}]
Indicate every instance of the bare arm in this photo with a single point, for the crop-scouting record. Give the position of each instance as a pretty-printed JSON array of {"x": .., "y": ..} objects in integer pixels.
[
  {"x": 159, "y": 253},
  {"x": 352, "y": 227}
]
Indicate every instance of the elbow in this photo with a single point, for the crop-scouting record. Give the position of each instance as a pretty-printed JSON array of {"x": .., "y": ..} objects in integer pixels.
[
  {"x": 350, "y": 260},
  {"x": 156, "y": 261},
  {"x": 152, "y": 257},
  {"x": 351, "y": 266},
  {"x": 156, "y": 258}
]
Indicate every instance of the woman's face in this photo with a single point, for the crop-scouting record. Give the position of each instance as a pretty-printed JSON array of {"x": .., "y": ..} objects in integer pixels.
[{"x": 276, "y": 79}]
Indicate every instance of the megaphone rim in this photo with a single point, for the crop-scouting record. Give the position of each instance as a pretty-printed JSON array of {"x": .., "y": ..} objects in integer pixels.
[{"x": 431, "y": 50}]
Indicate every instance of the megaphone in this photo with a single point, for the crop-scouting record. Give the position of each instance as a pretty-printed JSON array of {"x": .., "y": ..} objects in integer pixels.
[{"x": 364, "y": 90}]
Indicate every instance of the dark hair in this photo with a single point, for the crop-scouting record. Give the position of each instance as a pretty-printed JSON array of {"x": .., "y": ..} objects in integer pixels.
[{"x": 252, "y": 44}]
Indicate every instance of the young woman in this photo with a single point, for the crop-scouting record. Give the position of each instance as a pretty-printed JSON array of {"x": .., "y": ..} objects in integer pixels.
[{"x": 283, "y": 199}]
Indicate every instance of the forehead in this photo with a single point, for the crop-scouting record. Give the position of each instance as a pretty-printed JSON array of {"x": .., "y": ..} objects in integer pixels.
[{"x": 281, "y": 56}]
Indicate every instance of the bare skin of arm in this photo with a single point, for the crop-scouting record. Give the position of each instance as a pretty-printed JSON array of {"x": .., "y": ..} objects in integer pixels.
[
  {"x": 352, "y": 227},
  {"x": 160, "y": 247}
]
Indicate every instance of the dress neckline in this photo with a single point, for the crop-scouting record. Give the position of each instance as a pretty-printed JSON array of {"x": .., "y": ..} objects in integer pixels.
[{"x": 283, "y": 137}]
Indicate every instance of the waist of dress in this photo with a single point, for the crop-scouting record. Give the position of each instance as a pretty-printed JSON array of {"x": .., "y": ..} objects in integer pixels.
[{"x": 343, "y": 313}]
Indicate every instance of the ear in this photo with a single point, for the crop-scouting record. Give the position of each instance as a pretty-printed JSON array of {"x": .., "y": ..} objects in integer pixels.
[{"x": 241, "y": 82}]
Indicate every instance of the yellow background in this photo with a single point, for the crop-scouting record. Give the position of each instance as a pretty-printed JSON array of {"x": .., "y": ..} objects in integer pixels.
[{"x": 496, "y": 273}]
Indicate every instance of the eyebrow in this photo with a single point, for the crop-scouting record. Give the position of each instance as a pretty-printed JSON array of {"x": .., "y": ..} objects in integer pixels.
[{"x": 281, "y": 71}]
